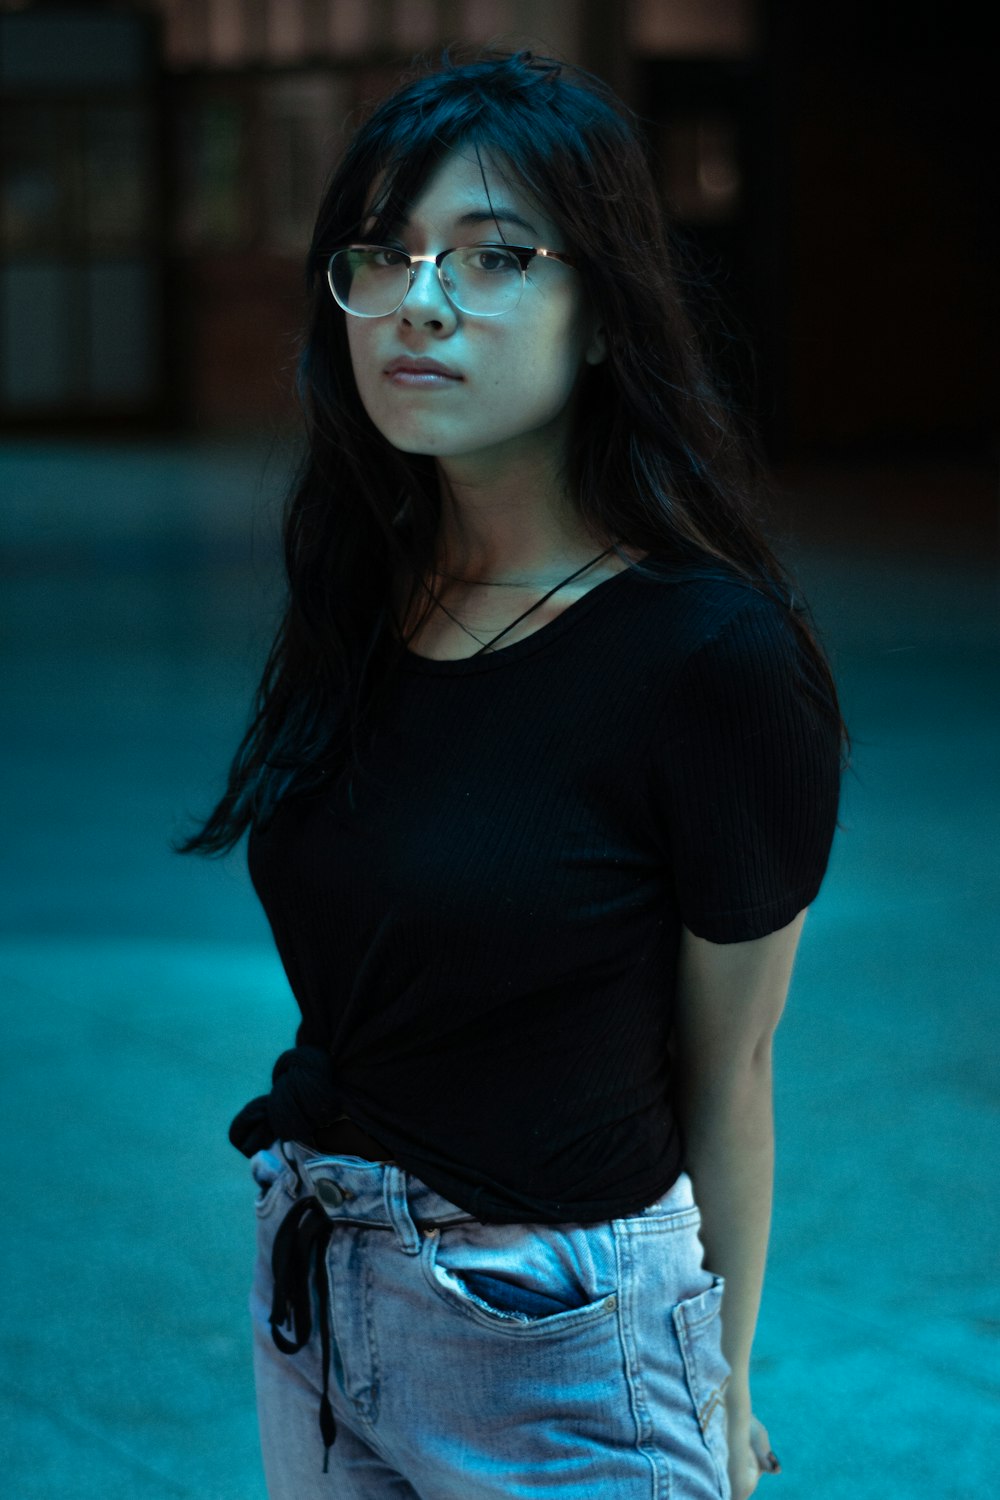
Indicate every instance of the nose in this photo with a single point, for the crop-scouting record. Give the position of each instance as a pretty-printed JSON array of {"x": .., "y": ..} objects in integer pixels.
[{"x": 426, "y": 302}]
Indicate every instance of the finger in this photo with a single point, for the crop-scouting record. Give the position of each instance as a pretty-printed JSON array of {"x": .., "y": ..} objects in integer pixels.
[{"x": 761, "y": 1444}]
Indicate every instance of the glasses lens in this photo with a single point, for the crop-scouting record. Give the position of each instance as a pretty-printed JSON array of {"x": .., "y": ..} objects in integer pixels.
[
  {"x": 483, "y": 279},
  {"x": 369, "y": 282}
]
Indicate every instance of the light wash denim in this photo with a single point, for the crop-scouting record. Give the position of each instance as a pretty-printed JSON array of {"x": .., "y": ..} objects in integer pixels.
[{"x": 478, "y": 1361}]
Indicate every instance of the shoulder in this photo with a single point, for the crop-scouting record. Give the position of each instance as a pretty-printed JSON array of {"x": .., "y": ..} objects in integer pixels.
[
  {"x": 747, "y": 669},
  {"x": 708, "y": 618},
  {"x": 746, "y": 630}
]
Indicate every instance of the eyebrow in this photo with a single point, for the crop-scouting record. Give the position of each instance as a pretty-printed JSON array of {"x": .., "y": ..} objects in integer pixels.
[{"x": 483, "y": 215}]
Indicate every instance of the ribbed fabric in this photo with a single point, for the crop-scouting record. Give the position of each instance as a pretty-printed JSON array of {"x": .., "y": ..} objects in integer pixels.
[{"x": 486, "y": 942}]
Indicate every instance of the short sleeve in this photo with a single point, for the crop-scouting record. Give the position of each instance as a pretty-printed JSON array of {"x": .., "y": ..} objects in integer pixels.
[{"x": 746, "y": 778}]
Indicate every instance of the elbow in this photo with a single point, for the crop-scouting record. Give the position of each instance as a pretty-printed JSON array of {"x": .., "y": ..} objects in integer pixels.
[
  {"x": 762, "y": 1053},
  {"x": 727, "y": 1082}
]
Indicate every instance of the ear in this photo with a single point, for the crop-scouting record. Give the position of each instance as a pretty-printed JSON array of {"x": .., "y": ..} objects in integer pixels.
[{"x": 597, "y": 348}]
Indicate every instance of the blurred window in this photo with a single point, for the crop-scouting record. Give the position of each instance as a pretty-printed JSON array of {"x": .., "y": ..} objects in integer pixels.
[
  {"x": 210, "y": 155},
  {"x": 302, "y": 118},
  {"x": 415, "y": 23},
  {"x": 701, "y": 171},
  {"x": 694, "y": 28},
  {"x": 80, "y": 216},
  {"x": 220, "y": 34}
]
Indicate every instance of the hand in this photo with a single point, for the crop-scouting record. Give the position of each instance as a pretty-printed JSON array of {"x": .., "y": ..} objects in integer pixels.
[{"x": 750, "y": 1454}]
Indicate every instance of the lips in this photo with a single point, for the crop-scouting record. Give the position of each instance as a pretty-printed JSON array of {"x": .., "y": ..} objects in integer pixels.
[{"x": 409, "y": 366}]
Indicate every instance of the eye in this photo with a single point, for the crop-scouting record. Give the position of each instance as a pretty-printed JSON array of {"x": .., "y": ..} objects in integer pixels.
[
  {"x": 492, "y": 259},
  {"x": 385, "y": 256}
]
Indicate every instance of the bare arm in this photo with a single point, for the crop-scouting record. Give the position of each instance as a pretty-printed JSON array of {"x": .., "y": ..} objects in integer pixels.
[{"x": 730, "y": 997}]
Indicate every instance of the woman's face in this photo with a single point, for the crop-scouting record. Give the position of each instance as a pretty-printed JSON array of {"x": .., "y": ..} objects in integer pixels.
[{"x": 516, "y": 372}]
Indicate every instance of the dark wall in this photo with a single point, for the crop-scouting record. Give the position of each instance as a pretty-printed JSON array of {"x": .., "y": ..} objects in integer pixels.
[
  {"x": 856, "y": 277},
  {"x": 891, "y": 294}
]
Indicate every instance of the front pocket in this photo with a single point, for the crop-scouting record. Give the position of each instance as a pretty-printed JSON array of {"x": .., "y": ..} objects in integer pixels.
[
  {"x": 523, "y": 1277},
  {"x": 699, "y": 1332},
  {"x": 507, "y": 1297},
  {"x": 271, "y": 1174}
]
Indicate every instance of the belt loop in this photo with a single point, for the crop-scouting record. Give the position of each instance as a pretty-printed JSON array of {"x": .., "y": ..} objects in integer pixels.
[
  {"x": 397, "y": 1209},
  {"x": 292, "y": 1161}
]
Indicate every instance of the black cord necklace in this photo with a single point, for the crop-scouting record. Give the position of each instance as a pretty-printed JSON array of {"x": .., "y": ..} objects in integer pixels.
[{"x": 494, "y": 639}]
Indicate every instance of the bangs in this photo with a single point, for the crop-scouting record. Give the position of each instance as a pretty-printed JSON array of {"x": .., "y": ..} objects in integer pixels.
[
  {"x": 408, "y": 166},
  {"x": 536, "y": 126},
  {"x": 533, "y": 130}
]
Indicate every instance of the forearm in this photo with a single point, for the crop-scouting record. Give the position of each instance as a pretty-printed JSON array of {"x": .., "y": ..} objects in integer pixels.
[{"x": 729, "y": 1129}]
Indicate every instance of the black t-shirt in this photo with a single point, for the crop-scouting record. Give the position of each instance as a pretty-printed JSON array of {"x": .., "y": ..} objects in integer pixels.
[{"x": 486, "y": 941}]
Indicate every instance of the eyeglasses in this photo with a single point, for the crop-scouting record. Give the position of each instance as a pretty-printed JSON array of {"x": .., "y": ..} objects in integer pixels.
[{"x": 371, "y": 281}]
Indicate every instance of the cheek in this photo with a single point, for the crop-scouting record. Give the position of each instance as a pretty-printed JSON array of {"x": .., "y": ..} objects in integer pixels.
[
  {"x": 366, "y": 366},
  {"x": 537, "y": 368},
  {"x": 361, "y": 354}
]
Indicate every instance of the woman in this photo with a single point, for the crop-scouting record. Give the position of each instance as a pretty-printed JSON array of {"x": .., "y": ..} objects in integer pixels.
[{"x": 543, "y": 775}]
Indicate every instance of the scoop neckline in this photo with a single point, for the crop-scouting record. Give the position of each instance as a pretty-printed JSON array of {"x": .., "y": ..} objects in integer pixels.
[{"x": 488, "y": 661}]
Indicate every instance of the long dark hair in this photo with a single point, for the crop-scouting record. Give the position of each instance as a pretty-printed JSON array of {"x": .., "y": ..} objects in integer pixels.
[{"x": 659, "y": 459}]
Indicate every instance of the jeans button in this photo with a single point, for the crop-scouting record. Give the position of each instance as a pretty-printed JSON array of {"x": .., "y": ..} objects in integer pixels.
[{"x": 329, "y": 1193}]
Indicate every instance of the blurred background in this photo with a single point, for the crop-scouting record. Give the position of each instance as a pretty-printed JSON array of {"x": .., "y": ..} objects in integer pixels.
[{"x": 832, "y": 176}]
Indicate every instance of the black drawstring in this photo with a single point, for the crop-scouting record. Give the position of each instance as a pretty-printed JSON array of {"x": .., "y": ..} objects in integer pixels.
[
  {"x": 304, "y": 1098},
  {"x": 303, "y": 1234}
]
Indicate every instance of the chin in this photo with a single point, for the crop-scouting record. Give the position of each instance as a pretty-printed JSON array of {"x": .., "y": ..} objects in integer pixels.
[
  {"x": 423, "y": 447},
  {"x": 431, "y": 446}
]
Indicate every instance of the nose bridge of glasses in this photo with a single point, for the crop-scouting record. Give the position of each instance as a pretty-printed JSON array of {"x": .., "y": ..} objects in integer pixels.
[{"x": 436, "y": 282}]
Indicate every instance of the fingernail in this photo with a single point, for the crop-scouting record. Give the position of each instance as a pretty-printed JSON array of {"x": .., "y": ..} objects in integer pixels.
[{"x": 772, "y": 1459}]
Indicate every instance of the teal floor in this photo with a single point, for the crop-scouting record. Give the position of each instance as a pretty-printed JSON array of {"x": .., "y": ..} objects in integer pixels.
[{"x": 142, "y": 1001}]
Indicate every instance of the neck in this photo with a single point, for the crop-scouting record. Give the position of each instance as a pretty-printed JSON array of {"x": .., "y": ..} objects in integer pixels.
[
  {"x": 510, "y": 536},
  {"x": 507, "y": 517}
]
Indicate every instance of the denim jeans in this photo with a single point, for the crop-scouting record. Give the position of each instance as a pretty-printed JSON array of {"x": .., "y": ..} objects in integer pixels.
[{"x": 473, "y": 1361}]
